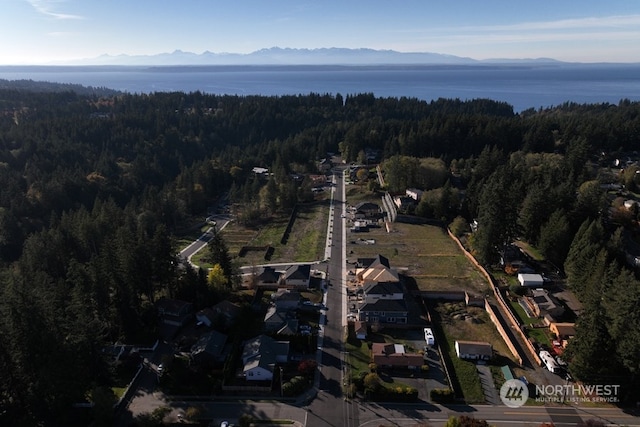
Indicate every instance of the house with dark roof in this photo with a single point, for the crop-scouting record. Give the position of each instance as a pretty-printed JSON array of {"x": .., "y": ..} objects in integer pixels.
[
  {"x": 227, "y": 312},
  {"x": 280, "y": 321},
  {"x": 367, "y": 210},
  {"x": 563, "y": 331},
  {"x": 384, "y": 294},
  {"x": 542, "y": 303},
  {"x": 174, "y": 312},
  {"x": 210, "y": 348},
  {"x": 394, "y": 355},
  {"x": 267, "y": 277},
  {"x": 260, "y": 355},
  {"x": 286, "y": 299},
  {"x": 297, "y": 276},
  {"x": 384, "y": 312},
  {"x": 473, "y": 350}
]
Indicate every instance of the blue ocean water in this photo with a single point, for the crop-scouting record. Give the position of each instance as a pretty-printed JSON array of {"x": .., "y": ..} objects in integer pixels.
[{"x": 522, "y": 86}]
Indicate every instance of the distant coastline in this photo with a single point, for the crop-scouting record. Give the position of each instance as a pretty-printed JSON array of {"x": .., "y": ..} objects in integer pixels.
[{"x": 523, "y": 85}]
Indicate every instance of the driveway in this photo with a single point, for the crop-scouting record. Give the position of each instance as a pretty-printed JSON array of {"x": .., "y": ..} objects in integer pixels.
[{"x": 488, "y": 386}]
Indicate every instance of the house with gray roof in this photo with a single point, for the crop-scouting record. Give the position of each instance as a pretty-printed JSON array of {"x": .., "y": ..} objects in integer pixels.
[
  {"x": 267, "y": 277},
  {"x": 280, "y": 321},
  {"x": 297, "y": 276},
  {"x": 260, "y": 355},
  {"x": 473, "y": 350},
  {"x": 210, "y": 348},
  {"x": 384, "y": 312}
]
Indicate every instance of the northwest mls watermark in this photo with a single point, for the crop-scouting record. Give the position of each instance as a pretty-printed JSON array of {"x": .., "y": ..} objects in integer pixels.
[
  {"x": 578, "y": 393},
  {"x": 514, "y": 393}
]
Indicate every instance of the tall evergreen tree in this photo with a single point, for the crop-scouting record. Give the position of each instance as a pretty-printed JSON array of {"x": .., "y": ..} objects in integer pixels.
[{"x": 220, "y": 255}]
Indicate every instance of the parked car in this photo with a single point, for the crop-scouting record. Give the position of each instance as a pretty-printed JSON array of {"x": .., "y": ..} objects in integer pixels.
[{"x": 428, "y": 336}]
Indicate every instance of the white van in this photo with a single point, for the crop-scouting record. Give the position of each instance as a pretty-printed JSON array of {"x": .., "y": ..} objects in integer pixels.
[
  {"x": 549, "y": 362},
  {"x": 428, "y": 336}
]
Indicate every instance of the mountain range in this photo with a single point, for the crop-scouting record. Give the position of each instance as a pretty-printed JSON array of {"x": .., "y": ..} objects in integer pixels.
[{"x": 289, "y": 56}]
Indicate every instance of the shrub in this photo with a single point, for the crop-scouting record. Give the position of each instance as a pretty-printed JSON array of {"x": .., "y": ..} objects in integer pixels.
[
  {"x": 307, "y": 367},
  {"x": 442, "y": 395},
  {"x": 245, "y": 420},
  {"x": 371, "y": 383}
]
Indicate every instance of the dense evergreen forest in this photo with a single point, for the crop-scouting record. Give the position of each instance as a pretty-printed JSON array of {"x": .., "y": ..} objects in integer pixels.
[{"x": 96, "y": 184}]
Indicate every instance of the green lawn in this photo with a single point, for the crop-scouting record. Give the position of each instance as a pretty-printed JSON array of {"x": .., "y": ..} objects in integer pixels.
[
  {"x": 539, "y": 334},
  {"x": 358, "y": 359}
]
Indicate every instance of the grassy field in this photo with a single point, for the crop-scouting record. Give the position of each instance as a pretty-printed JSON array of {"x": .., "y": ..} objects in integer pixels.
[
  {"x": 306, "y": 241},
  {"x": 424, "y": 252},
  {"x": 458, "y": 322},
  {"x": 539, "y": 334}
]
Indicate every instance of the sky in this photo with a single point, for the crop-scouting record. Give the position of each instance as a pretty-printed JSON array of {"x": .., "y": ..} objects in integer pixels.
[{"x": 47, "y": 31}]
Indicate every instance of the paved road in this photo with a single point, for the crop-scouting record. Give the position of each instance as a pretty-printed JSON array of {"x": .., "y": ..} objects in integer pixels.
[
  {"x": 329, "y": 407},
  {"x": 201, "y": 242}
]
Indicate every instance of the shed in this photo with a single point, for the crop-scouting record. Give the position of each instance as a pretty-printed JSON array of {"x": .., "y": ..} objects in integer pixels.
[
  {"x": 360, "y": 328},
  {"x": 530, "y": 280}
]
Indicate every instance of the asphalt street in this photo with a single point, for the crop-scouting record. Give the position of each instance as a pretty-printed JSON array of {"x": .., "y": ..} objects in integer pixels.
[{"x": 326, "y": 406}]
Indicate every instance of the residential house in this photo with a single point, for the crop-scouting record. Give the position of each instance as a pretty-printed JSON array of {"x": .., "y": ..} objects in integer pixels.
[
  {"x": 280, "y": 321},
  {"x": 377, "y": 269},
  {"x": 260, "y": 355},
  {"x": 267, "y": 277},
  {"x": 260, "y": 171},
  {"x": 317, "y": 180},
  {"x": 297, "y": 276},
  {"x": 384, "y": 312},
  {"x": 210, "y": 348},
  {"x": 325, "y": 165},
  {"x": 383, "y": 291},
  {"x": 372, "y": 154},
  {"x": 394, "y": 355},
  {"x": 174, "y": 312},
  {"x": 227, "y": 312},
  {"x": 384, "y": 295},
  {"x": 404, "y": 202},
  {"x": 414, "y": 193},
  {"x": 542, "y": 302},
  {"x": 563, "y": 331},
  {"x": 474, "y": 350},
  {"x": 511, "y": 254},
  {"x": 286, "y": 299},
  {"x": 367, "y": 210}
]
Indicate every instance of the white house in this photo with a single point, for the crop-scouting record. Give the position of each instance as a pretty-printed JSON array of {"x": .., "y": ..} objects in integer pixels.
[
  {"x": 260, "y": 356},
  {"x": 529, "y": 280},
  {"x": 473, "y": 350},
  {"x": 414, "y": 193}
]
